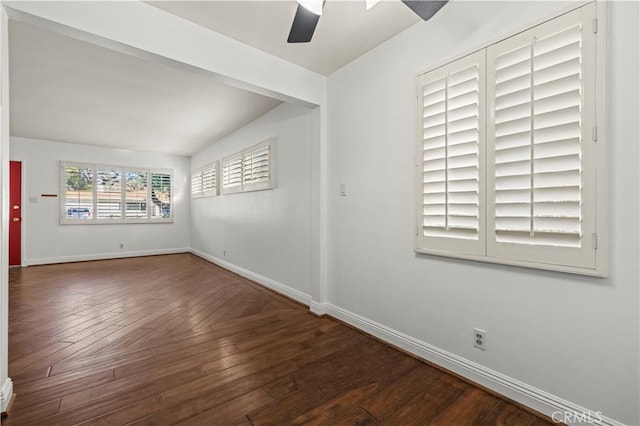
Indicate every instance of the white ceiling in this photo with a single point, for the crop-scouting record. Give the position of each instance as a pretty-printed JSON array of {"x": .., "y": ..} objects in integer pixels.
[
  {"x": 68, "y": 90},
  {"x": 346, "y": 30}
]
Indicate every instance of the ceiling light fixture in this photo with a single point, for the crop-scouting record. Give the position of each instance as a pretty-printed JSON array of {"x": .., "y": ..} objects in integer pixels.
[
  {"x": 308, "y": 14},
  {"x": 313, "y": 6}
]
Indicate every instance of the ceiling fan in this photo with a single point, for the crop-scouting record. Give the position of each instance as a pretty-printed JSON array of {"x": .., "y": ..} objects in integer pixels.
[{"x": 309, "y": 11}]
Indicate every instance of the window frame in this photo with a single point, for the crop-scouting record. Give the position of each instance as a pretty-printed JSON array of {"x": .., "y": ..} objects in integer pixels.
[
  {"x": 597, "y": 161},
  {"x": 93, "y": 220}
]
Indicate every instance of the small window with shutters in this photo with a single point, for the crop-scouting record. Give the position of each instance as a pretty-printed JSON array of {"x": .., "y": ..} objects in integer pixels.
[
  {"x": 510, "y": 165},
  {"x": 249, "y": 170},
  {"x": 204, "y": 181}
]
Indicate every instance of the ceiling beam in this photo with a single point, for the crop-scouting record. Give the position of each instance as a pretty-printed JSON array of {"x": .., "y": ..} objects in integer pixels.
[{"x": 141, "y": 30}]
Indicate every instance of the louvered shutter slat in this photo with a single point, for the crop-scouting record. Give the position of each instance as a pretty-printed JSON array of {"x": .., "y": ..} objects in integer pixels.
[
  {"x": 515, "y": 83},
  {"x": 510, "y": 59},
  {"x": 432, "y": 110},
  {"x": 470, "y": 135}
]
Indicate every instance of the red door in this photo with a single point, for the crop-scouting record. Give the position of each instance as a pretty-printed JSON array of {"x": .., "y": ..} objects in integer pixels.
[{"x": 15, "y": 214}]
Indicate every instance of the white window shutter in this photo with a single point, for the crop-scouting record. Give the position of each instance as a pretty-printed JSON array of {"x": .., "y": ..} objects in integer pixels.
[
  {"x": 136, "y": 194},
  {"x": 541, "y": 176},
  {"x": 196, "y": 183},
  {"x": 232, "y": 174},
  {"x": 77, "y": 199},
  {"x": 204, "y": 181},
  {"x": 450, "y": 213},
  {"x": 249, "y": 170},
  {"x": 161, "y": 194},
  {"x": 210, "y": 179},
  {"x": 108, "y": 193},
  {"x": 256, "y": 167}
]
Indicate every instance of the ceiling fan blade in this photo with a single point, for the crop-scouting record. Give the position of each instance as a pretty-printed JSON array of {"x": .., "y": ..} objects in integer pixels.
[
  {"x": 425, "y": 8},
  {"x": 303, "y": 26}
]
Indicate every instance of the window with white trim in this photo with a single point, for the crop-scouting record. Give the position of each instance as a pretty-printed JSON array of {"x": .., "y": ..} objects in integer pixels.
[
  {"x": 204, "y": 181},
  {"x": 249, "y": 170},
  {"x": 103, "y": 194},
  {"x": 509, "y": 166}
]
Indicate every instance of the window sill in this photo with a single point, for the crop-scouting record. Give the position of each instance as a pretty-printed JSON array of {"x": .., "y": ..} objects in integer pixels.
[
  {"x": 114, "y": 222},
  {"x": 599, "y": 271}
]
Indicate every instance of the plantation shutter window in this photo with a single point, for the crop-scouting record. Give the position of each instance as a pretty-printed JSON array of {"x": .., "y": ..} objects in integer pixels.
[
  {"x": 249, "y": 170},
  {"x": 204, "y": 181},
  {"x": 100, "y": 194},
  {"x": 451, "y": 133},
  {"x": 510, "y": 159},
  {"x": 541, "y": 173}
]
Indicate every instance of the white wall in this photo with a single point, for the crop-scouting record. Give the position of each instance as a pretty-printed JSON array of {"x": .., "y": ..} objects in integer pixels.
[
  {"x": 573, "y": 337},
  {"x": 46, "y": 241},
  {"x": 266, "y": 232}
]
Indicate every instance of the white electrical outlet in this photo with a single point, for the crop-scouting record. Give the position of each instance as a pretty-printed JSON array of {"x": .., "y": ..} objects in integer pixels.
[
  {"x": 480, "y": 339},
  {"x": 224, "y": 253},
  {"x": 121, "y": 245}
]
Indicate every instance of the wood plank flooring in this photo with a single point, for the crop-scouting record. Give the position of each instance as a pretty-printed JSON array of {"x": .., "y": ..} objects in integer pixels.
[{"x": 173, "y": 339}]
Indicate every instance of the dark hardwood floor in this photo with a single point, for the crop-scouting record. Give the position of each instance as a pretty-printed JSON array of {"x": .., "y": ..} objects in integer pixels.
[{"x": 176, "y": 340}]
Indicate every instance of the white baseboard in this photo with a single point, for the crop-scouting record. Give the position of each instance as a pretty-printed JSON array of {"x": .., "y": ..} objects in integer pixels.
[
  {"x": 260, "y": 279},
  {"x": 5, "y": 394},
  {"x": 511, "y": 388},
  {"x": 102, "y": 256},
  {"x": 318, "y": 308}
]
